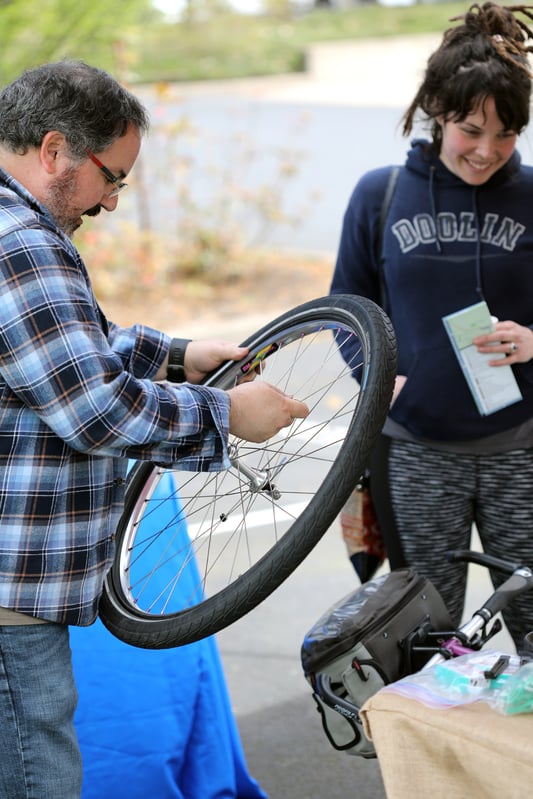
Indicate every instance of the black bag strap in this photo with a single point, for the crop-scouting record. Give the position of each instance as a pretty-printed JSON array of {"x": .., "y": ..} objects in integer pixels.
[{"x": 387, "y": 199}]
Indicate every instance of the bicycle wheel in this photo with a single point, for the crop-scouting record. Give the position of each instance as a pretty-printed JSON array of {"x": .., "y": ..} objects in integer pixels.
[{"x": 196, "y": 551}]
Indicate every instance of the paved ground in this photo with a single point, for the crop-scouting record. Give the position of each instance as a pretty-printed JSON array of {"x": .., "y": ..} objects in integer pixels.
[{"x": 285, "y": 747}]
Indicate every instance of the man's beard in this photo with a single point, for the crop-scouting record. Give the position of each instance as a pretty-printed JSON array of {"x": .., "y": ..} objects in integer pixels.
[{"x": 57, "y": 201}]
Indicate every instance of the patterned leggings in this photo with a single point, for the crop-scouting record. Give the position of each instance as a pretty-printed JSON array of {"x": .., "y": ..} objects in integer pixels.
[{"x": 435, "y": 499}]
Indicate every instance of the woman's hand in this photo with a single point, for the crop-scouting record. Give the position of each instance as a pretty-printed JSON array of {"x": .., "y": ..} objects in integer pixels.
[
  {"x": 399, "y": 383},
  {"x": 513, "y": 341}
]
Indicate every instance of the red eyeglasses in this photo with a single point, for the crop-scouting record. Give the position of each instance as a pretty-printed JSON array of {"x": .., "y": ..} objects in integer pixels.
[{"x": 117, "y": 182}]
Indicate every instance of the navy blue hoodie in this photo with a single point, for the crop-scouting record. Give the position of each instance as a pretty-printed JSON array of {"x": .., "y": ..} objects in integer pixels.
[{"x": 434, "y": 263}]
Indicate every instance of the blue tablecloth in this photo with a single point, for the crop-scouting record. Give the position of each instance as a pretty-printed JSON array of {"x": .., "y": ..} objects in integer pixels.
[{"x": 156, "y": 724}]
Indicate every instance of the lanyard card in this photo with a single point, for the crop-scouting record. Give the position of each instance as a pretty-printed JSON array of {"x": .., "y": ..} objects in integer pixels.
[{"x": 492, "y": 387}]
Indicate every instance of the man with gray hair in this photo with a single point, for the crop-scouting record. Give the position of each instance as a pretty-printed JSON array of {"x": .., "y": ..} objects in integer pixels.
[{"x": 79, "y": 396}]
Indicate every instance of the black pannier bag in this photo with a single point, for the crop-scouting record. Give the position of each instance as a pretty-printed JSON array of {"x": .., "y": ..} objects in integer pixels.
[{"x": 377, "y": 634}]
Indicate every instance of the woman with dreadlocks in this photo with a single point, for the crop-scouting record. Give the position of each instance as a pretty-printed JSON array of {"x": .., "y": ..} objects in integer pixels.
[{"x": 459, "y": 232}]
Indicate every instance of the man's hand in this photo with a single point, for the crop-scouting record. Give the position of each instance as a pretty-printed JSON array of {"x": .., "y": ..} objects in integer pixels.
[
  {"x": 202, "y": 357},
  {"x": 259, "y": 411}
]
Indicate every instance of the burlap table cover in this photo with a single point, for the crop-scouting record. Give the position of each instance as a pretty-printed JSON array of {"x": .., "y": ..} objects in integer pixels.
[{"x": 468, "y": 752}]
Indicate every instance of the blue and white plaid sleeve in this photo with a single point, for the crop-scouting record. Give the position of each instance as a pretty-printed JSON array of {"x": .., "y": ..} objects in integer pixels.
[{"x": 57, "y": 361}]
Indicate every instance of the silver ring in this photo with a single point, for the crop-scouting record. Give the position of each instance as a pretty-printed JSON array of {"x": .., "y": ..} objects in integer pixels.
[{"x": 513, "y": 347}]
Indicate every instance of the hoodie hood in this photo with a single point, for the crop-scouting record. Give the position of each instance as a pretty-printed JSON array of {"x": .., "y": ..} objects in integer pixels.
[{"x": 423, "y": 160}]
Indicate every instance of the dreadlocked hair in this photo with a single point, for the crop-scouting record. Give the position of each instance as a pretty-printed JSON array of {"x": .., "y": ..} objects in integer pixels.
[{"x": 485, "y": 56}]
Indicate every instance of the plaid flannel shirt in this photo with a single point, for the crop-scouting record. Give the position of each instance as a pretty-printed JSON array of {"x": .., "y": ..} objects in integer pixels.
[{"x": 76, "y": 402}]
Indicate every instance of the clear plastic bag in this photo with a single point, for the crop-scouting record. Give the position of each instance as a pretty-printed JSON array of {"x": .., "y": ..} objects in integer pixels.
[{"x": 474, "y": 677}]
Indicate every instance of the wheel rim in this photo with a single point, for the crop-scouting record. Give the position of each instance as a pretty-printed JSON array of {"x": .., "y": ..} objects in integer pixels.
[{"x": 190, "y": 537}]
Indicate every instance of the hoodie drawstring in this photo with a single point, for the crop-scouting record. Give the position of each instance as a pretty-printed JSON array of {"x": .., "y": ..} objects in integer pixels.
[
  {"x": 433, "y": 206},
  {"x": 479, "y": 287}
]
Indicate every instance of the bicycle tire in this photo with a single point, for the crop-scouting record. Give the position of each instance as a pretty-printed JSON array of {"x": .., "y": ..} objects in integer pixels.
[{"x": 211, "y": 513}]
